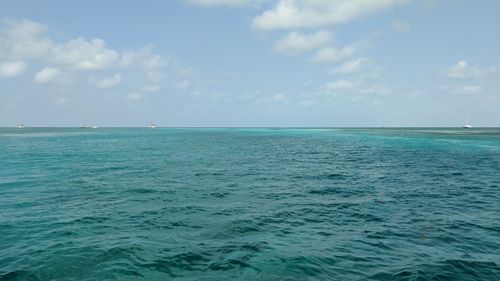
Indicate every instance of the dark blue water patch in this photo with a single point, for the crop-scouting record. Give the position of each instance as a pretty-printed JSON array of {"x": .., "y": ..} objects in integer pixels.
[
  {"x": 18, "y": 275},
  {"x": 445, "y": 270},
  {"x": 209, "y": 259}
]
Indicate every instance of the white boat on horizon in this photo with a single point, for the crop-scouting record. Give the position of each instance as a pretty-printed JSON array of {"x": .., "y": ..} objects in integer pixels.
[
  {"x": 20, "y": 126},
  {"x": 152, "y": 126},
  {"x": 467, "y": 125}
]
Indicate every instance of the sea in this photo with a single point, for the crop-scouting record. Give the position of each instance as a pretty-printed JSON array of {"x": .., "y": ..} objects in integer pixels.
[{"x": 250, "y": 204}]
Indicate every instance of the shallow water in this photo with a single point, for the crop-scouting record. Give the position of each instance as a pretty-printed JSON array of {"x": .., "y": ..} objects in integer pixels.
[{"x": 249, "y": 204}]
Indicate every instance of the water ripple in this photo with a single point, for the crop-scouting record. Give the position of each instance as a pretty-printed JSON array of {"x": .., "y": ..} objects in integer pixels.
[{"x": 249, "y": 204}]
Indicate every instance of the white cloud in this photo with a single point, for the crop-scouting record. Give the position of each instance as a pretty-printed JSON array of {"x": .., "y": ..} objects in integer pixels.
[
  {"x": 12, "y": 68},
  {"x": 143, "y": 58},
  {"x": 465, "y": 79},
  {"x": 356, "y": 87},
  {"x": 155, "y": 76},
  {"x": 332, "y": 55},
  {"x": 378, "y": 89},
  {"x": 184, "y": 84},
  {"x": 273, "y": 99},
  {"x": 61, "y": 102},
  {"x": 46, "y": 75},
  {"x": 154, "y": 61},
  {"x": 338, "y": 85},
  {"x": 400, "y": 26},
  {"x": 462, "y": 70},
  {"x": 468, "y": 89},
  {"x": 85, "y": 55},
  {"x": 109, "y": 82},
  {"x": 288, "y": 14},
  {"x": 307, "y": 102},
  {"x": 24, "y": 40},
  {"x": 349, "y": 67},
  {"x": 296, "y": 42},
  {"x": 135, "y": 96},
  {"x": 307, "y": 83},
  {"x": 156, "y": 69},
  {"x": 28, "y": 40},
  {"x": 151, "y": 88},
  {"x": 184, "y": 71},
  {"x": 278, "y": 98}
]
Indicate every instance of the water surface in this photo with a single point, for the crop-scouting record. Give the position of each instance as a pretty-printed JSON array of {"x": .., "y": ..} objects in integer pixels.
[{"x": 249, "y": 204}]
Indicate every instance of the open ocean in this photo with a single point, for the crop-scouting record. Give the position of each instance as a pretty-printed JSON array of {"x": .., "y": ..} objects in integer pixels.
[{"x": 249, "y": 204}]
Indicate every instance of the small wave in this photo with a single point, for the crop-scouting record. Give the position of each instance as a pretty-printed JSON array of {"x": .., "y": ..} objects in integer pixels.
[
  {"x": 242, "y": 227},
  {"x": 90, "y": 220},
  {"x": 219, "y": 194},
  {"x": 18, "y": 275},
  {"x": 228, "y": 264},
  {"x": 329, "y": 176},
  {"x": 142, "y": 190},
  {"x": 444, "y": 270},
  {"x": 189, "y": 261}
]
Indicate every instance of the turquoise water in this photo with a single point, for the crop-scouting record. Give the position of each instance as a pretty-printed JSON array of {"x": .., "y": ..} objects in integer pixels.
[{"x": 249, "y": 204}]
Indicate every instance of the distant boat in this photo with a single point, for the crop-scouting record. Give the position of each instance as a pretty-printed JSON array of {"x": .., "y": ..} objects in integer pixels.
[
  {"x": 467, "y": 125},
  {"x": 20, "y": 126},
  {"x": 152, "y": 126},
  {"x": 83, "y": 127},
  {"x": 94, "y": 127}
]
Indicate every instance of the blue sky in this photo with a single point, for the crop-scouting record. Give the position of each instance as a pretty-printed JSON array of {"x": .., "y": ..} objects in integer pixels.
[{"x": 250, "y": 63}]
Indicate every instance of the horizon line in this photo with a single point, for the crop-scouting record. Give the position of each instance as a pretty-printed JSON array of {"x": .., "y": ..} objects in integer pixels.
[{"x": 236, "y": 127}]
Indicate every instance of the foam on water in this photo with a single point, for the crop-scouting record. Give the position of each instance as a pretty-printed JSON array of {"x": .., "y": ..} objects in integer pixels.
[{"x": 250, "y": 204}]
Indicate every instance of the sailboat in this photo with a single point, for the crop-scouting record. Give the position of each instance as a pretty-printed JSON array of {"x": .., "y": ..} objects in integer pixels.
[
  {"x": 152, "y": 126},
  {"x": 467, "y": 125},
  {"x": 20, "y": 126}
]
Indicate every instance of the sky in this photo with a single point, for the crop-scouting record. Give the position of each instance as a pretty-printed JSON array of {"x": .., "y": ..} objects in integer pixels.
[{"x": 277, "y": 63}]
